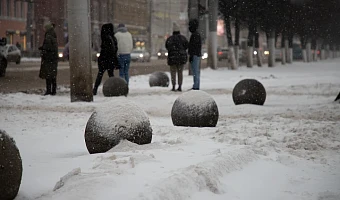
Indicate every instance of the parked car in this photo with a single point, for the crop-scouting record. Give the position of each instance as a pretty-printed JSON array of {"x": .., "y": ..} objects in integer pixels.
[
  {"x": 11, "y": 53},
  {"x": 162, "y": 54},
  {"x": 63, "y": 54},
  {"x": 278, "y": 54},
  {"x": 204, "y": 54},
  {"x": 222, "y": 53},
  {"x": 140, "y": 55}
]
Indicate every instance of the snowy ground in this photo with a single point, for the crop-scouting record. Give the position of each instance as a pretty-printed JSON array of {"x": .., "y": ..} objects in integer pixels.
[{"x": 287, "y": 149}]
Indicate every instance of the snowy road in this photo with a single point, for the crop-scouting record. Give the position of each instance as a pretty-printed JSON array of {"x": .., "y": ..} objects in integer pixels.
[{"x": 287, "y": 149}]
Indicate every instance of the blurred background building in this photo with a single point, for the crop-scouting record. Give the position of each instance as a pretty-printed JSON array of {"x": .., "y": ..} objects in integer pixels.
[
  {"x": 145, "y": 19},
  {"x": 13, "y": 21}
]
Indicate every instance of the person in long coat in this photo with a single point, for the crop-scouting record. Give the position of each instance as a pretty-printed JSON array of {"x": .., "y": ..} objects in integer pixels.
[
  {"x": 108, "y": 59},
  {"x": 177, "y": 45},
  {"x": 49, "y": 60}
]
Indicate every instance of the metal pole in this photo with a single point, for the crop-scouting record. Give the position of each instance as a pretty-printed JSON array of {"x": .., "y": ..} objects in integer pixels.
[
  {"x": 29, "y": 27},
  {"x": 80, "y": 50},
  {"x": 212, "y": 38},
  {"x": 150, "y": 26}
]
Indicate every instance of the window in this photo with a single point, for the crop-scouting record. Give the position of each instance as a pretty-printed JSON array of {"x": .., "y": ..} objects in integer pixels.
[
  {"x": 0, "y": 7},
  {"x": 15, "y": 9},
  {"x": 22, "y": 10},
  {"x": 9, "y": 8}
]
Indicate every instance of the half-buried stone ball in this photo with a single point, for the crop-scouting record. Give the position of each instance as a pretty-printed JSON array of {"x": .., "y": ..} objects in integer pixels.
[
  {"x": 115, "y": 86},
  {"x": 10, "y": 167},
  {"x": 115, "y": 121},
  {"x": 159, "y": 79},
  {"x": 196, "y": 109},
  {"x": 249, "y": 91}
]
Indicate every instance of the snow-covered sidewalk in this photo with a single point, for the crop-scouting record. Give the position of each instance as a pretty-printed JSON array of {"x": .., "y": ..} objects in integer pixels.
[{"x": 287, "y": 149}]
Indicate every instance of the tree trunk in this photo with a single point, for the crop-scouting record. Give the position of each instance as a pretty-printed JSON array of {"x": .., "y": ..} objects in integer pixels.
[
  {"x": 80, "y": 50},
  {"x": 237, "y": 55},
  {"x": 303, "y": 46},
  {"x": 314, "y": 50},
  {"x": 283, "y": 49},
  {"x": 290, "y": 49},
  {"x": 271, "y": 48},
  {"x": 212, "y": 58},
  {"x": 231, "y": 52},
  {"x": 257, "y": 49},
  {"x": 309, "y": 50},
  {"x": 237, "y": 40},
  {"x": 327, "y": 51},
  {"x": 286, "y": 49},
  {"x": 250, "y": 49},
  {"x": 323, "y": 53}
]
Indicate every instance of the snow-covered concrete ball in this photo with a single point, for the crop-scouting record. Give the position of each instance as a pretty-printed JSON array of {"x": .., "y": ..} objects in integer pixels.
[
  {"x": 159, "y": 79},
  {"x": 115, "y": 121},
  {"x": 10, "y": 167},
  {"x": 249, "y": 91},
  {"x": 115, "y": 86},
  {"x": 196, "y": 109}
]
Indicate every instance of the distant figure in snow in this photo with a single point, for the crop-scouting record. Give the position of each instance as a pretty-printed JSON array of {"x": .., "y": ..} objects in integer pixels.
[
  {"x": 195, "y": 49},
  {"x": 177, "y": 46},
  {"x": 125, "y": 46},
  {"x": 49, "y": 60},
  {"x": 108, "y": 55}
]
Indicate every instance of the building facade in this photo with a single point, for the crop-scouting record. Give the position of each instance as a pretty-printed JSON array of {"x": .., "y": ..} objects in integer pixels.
[
  {"x": 133, "y": 13},
  {"x": 13, "y": 21}
]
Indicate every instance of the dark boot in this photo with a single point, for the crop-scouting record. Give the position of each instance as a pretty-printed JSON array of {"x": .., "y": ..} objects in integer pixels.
[
  {"x": 48, "y": 87},
  {"x": 173, "y": 88},
  {"x": 94, "y": 91},
  {"x": 179, "y": 88}
]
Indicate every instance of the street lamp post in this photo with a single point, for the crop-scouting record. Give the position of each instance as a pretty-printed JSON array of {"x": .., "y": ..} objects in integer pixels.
[{"x": 79, "y": 27}]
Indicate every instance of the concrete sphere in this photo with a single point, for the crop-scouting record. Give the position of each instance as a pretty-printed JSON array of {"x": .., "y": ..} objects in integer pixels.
[
  {"x": 115, "y": 121},
  {"x": 249, "y": 91},
  {"x": 159, "y": 79},
  {"x": 10, "y": 167},
  {"x": 115, "y": 86},
  {"x": 195, "y": 109}
]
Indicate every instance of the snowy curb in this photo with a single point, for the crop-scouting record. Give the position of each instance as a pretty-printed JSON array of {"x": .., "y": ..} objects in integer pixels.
[{"x": 203, "y": 176}]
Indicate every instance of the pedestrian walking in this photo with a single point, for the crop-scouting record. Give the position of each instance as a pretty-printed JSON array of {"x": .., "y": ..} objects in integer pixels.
[
  {"x": 176, "y": 45},
  {"x": 108, "y": 55},
  {"x": 49, "y": 60},
  {"x": 195, "y": 52},
  {"x": 125, "y": 46}
]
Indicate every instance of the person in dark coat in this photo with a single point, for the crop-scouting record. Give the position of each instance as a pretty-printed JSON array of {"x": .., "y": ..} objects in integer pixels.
[
  {"x": 108, "y": 59},
  {"x": 49, "y": 60},
  {"x": 176, "y": 45},
  {"x": 195, "y": 52}
]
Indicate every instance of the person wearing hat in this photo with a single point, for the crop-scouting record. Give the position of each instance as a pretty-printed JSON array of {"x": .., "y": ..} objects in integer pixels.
[
  {"x": 125, "y": 46},
  {"x": 195, "y": 49},
  {"x": 176, "y": 45},
  {"x": 49, "y": 59}
]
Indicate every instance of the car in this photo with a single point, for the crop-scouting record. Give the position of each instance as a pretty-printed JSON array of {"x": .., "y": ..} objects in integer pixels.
[
  {"x": 11, "y": 53},
  {"x": 222, "y": 53},
  {"x": 162, "y": 54},
  {"x": 204, "y": 54},
  {"x": 63, "y": 54},
  {"x": 278, "y": 54},
  {"x": 140, "y": 55}
]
